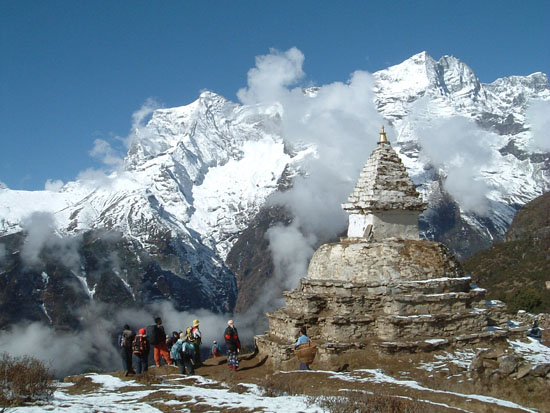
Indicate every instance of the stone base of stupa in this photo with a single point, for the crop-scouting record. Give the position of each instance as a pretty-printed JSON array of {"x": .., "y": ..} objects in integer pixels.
[{"x": 395, "y": 296}]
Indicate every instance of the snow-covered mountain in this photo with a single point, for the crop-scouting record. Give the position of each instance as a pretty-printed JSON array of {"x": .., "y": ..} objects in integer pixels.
[{"x": 199, "y": 174}]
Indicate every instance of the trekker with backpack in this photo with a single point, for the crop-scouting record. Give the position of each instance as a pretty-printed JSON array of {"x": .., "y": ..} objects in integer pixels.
[
  {"x": 233, "y": 345},
  {"x": 182, "y": 352},
  {"x": 197, "y": 340},
  {"x": 125, "y": 340},
  {"x": 216, "y": 349},
  {"x": 158, "y": 340},
  {"x": 172, "y": 340},
  {"x": 140, "y": 348}
]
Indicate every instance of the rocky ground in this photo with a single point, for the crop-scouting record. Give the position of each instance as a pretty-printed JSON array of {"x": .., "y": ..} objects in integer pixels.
[{"x": 436, "y": 382}]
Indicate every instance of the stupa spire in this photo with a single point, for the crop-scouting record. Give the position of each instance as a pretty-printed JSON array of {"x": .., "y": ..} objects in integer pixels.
[
  {"x": 383, "y": 137},
  {"x": 384, "y": 202}
]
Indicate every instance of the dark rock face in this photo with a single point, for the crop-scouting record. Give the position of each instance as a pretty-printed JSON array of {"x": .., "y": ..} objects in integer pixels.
[
  {"x": 442, "y": 222},
  {"x": 112, "y": 271},
  {"x": 250, "y": 259}
]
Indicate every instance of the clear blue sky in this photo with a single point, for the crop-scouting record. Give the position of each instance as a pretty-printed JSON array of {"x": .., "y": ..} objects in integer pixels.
[{"x": 73, "y": 71}]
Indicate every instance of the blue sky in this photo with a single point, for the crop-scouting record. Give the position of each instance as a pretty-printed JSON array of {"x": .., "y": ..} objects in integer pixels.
[{"x": 75, "y": 71}]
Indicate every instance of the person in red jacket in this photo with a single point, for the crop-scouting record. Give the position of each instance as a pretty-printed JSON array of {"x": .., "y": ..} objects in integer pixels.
[{"x": 233, "y": 345}]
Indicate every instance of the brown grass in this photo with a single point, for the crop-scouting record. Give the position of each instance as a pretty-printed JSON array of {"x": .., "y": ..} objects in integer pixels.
[
  {"x": 375, "y": 403},
  {"x": 23, "y": 379}
]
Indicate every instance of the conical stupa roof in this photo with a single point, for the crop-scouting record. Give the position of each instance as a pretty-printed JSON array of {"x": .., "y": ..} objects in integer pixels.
[{"x": 384, "y": 184}]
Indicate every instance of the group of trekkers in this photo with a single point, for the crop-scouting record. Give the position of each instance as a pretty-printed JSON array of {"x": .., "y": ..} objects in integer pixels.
[{"x": 182, "y": 348}]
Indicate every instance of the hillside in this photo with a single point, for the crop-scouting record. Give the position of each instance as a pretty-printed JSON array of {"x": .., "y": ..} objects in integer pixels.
[
  {"x": 421, "y": 382},
  {"x": 517, "y": 270}
]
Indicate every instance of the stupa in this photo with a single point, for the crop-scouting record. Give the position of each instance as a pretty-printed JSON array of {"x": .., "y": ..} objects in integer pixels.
[{"x": 382, "y": 286}]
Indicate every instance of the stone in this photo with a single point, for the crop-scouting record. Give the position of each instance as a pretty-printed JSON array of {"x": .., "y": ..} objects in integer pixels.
[
  {"x": 523, "y": 370},
  {"x": 493, "y": 354},
  {"x": 540, "y": 370},
  {"x": 508, "y": 364},
  {"x": 490, "y": 364}
]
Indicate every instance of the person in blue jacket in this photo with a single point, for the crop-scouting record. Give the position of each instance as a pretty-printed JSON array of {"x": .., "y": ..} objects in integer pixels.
[
  {"x": 182, "y": 352},
  {"x": 302, "y": 339}
]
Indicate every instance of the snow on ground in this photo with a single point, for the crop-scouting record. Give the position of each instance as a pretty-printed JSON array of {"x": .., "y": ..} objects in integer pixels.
[
  {"x": 377, "y": 376},
  {"x": 117, "y": 395},
  {"x": 461, "y": 358},
  {"x": 532, "y": 350}
]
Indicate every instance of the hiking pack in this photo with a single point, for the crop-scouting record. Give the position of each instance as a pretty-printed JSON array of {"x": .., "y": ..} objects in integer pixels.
[
  {"x": 175, "y": 351},
  {"x": 187, "y": 349},
  {"x": 140, "y": 345},
  {"x": 153, "y": 332},
  {"x": 190, "y": 336},
  {"x": 125, "y": 339}
]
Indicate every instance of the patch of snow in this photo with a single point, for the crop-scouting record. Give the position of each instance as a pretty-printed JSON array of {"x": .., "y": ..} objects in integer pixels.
[
  {"x": 377, "y": 376},
  {"x": 532, "y": 350}
]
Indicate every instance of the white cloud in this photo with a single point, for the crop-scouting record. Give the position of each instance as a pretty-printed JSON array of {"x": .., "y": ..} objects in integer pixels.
[
  {"x": 95, "y": 178},
  {"x": 54, "y": 186},
  {"x": 461, "y": 150},
  {"x": 40, "y": 229},
  {"x": 538, "y": 116},
  {"x": 273, "y": 72},
  {"x": 340, "y": 123},
  {"x": 103, "y": 151}
]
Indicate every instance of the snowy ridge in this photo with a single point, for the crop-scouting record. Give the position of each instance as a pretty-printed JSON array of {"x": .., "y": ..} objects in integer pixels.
[{"x": 201, "y": 172}]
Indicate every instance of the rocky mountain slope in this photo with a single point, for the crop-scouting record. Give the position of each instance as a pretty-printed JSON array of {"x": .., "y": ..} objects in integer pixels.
[
  {"x": 517, "y": 270},
  {"x": 193, "y": 190}
]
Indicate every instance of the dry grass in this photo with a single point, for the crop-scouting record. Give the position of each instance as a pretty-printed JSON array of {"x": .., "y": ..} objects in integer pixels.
[
  {"x": 23, "y": 379},
  {"x": 334, "y": 401},
  {"x": 371, "y": 403}
]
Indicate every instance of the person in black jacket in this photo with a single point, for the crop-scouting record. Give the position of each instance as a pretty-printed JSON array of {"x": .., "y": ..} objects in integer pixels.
[
  {"x": 233, "y": 345},
  {"x": 125, "y": 340},
  {"x": 159, "y": 348}
]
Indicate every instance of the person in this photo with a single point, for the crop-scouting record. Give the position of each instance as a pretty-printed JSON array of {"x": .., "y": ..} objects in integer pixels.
[
  {"x": 535, "y": 332},
  {"x": 233, "y": 345},
  {"x": 302, "y": 339},
  {"x": 216, "y": 349},
  {"x": 197, "y": 338},
  {"x": 188, "y": 352},
  {"x": 125, "y": 340},
  {"x": 159, "y": 348},
  {"x": 172, "y": 340},
  {"x": 140, "y": 348},
  {"x": 182, "y": 353}
]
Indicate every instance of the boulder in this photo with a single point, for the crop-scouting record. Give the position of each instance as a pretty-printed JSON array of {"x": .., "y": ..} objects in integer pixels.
[{"x": 524, "y": 370}]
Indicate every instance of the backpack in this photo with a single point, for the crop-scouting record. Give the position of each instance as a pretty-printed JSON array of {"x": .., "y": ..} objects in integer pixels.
[
  {"x": 125, "y": 340},
  {"x": 140, "y": 345},
  {"x": 187, "y": 349},
  {"x": 152, "y": 333},
  {"x": 190, "y": 336},
  {"x": 175, "y": 351}
]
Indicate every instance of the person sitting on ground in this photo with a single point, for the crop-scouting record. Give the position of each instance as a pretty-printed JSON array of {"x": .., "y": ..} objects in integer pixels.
[
  {"x": 302, "y": 339},
  {"x": 535, "y": 332},
  {"x": 233, "y": 345},
  {"x": 216, "y": 349},
  {"x": 140, "y": 348}
]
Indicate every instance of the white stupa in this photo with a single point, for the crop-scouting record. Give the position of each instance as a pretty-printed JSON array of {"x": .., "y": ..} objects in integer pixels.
[{"x": 385, "y": 203}]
